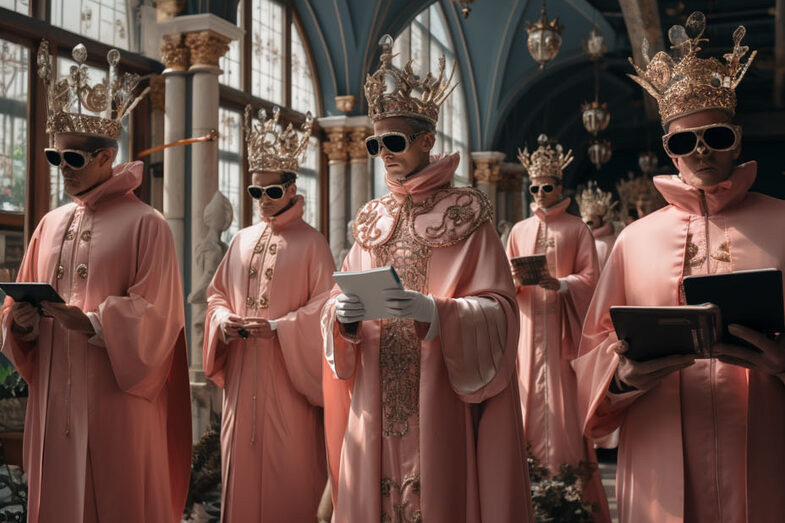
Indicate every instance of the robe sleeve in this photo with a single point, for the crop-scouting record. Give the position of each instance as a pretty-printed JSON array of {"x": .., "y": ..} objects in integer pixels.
[
  {"x": 299, "y": 332},
  {"x": 219, "y": 304},
  {"x": 19, "y": 350},
  {"x": 143, "y": 328},
  {"x": 580, "y": 288},
  {"x": 479, "y": 322},
  {"x": 513, "y": 250},
  {"x": 601, "y": 412}
]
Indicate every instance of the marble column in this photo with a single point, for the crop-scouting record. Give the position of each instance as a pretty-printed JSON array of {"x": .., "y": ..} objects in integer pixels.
[
  {"x": 359, "y": 169},
  {"x": 337, "y": 151},
  {"x": 157, "y": 117},
  {"x": 487, "y": 165},
  {"x": 176, "y": 57},
  {"x": 512, "y": 186}
]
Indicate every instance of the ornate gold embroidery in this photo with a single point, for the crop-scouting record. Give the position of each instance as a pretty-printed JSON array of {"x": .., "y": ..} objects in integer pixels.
[
  {"x": 403, "y": 511},
  {"x": 696, "y": 255},
  {"x": 81, "y": 270},
  {"x": 722, "y": 253},
  {"x": 399, "y": 356},
  {"x": 365, "y": 227},
  {"x": 468, "y": 210},
  {"x": 86, "y": 236}
]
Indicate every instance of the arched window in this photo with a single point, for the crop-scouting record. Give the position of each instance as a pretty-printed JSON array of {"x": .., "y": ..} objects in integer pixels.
[
  {"x": 107, "y": 21},
  {"x": 425, "y": 40}
]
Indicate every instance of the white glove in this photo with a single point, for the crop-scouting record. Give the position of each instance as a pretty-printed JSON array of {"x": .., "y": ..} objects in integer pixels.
[
  {"x": 349, "y": 308},
  {"x": 409, "y": 304}
]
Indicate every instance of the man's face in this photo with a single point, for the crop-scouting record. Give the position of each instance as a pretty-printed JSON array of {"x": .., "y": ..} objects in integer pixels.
[
  {"x": 594, "y": 221},
  {"x": 269, "y": 207},
  {"x": 704, "y": 167},
  {"x": 414, "y": 158},
  {"x": 97, "y": 170},
  {"x": 542, "y": 198}
]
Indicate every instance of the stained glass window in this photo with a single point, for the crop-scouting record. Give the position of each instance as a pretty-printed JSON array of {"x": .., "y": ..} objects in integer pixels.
[
  {"x": 267, "y": 50},
  {"x": 230, "y": 63},
  {"x": 13, "y": 126},
  {"x": 303, "y": 97},
  {"x": 107, "y": 21},
  {"x": 230, "y": 175}
]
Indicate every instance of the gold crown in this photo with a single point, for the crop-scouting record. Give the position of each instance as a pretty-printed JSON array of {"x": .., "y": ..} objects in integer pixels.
[
  {"x": 67, "y": 98},
  {"x": 595, "y": 202},
  {"x": 269, "y": 148},
  {"x": 684, "y": 84},
  {"x": 639, "y": 192},
  {"x": 391, "y": 93},
  {"x": 546, "y": 160}
]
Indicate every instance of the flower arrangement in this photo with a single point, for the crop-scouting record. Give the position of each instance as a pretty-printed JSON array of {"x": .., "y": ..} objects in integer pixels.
[{"x": 559, "y": 497}]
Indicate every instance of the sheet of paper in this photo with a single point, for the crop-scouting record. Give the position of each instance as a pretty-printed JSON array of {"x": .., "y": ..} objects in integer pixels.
[{"x": 368, "y": 286}]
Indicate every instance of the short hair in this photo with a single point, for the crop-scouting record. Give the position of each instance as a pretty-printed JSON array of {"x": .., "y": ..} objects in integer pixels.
[
  {"x": 93, "y": 143},
  {"x": 419, "y": 125},
  {"x": 288, "y": 178}
]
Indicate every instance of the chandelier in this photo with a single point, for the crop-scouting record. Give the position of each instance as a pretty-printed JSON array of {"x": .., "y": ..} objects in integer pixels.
[
  {"x": 544, "y": 40},
  {"x": 648, "y": 162},
  {"x": 595, "y": 45},
  {"x": 595, "y": 116},
  {"x": 465, "y": 9},
  {"x": 599, "y": 152}
]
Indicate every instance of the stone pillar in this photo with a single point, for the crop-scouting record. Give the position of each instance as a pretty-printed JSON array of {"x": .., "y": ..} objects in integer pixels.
[
  {"x": 157, "y": 117},
  {"x": 512, "y": 186},
  {"x": 359, "y": 172},
  {"x": 487, "y": 165},
  {"x": 337, "y": 150},
  {"x": 176, "y": 57}
]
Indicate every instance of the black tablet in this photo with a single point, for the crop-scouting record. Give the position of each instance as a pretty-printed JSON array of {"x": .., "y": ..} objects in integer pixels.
[
  {"x": 655, "y": 332},
  {"x": 749, "y": 298},
  {"x": 33, "y": 293}
]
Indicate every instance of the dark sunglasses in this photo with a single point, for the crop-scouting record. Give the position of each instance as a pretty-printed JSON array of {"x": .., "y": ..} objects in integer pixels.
[
  {"x": 274, "y": 192},
  {"x": 716, "y": 137},
  {"x": 73, "y": 158},
  {"x": 394, "y": 142},
  {"x": 548, "y": 187}
]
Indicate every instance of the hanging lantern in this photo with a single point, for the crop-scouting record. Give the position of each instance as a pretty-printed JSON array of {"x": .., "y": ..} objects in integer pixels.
[
  {"x": 595, "y": 116},
  {"x": 465, "y": 9},
  {"x": 595, "y": 45},
  {"x": 648, "y": 162},
  {"x": 599, "y": 152},
  {"x": 544, "y": 38}
]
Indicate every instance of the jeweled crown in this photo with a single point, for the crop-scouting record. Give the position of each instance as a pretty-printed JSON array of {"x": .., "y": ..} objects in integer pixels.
[
  {"x": 639, "y": 193},
  {"x": 71, "y": 99},
  {"x": 271, "y": 149},
  {"x": 684, "y": 84},
  {"x": 547, "y": 160},
  {"x": 594, "y": 201},
  {"x": 392, "y": 93}
]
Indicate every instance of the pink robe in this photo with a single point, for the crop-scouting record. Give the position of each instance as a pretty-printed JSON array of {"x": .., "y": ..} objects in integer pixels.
[
  {"x": 272, "y": 436},
  {"x": 434, "y": 427},
  {"x": 604, "y": 238},
  {"x": 551, "y": 324},
  {"x": 108, "y": 428},
  {"x": 706, "y": 444}
]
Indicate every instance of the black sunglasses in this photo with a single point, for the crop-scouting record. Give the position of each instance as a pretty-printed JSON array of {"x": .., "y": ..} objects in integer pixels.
[
  {"x": 274, "y": 192},
  {"x": 394, "y": 141},
  {"x": 548, "y": 187},
  {"x": 716, "y": 137},
  {"x": 74, "y": 158}
]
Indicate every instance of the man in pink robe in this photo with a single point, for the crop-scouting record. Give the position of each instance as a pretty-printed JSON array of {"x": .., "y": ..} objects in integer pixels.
[
  {"x": 262, "y": 345},
  {"x": 551, "y": 317},
  {"x": 433, "y": 428},
  {"x": 701, "y": 440},
  {"x": 595, "y": 205},
  {"x": 108, "y": 425}
]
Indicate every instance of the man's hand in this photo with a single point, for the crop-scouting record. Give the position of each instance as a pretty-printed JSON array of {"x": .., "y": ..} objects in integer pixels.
[
  {"x": 349, "y": 308},
  {"x": 70, "y": 317},
  {"x": 550, "y": 283},
  {"x": 24, "y": 317},
  {"x": 643, "y": 375},
  {"x": 231, "y": 326},
  {"x": 408, "y": 304},
  {"x": 768, "y": 358},
  {"x": 258, "y": 327}
]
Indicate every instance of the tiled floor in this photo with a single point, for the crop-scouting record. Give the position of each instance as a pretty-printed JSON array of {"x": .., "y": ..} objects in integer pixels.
[{"x": 608, "y": 472}]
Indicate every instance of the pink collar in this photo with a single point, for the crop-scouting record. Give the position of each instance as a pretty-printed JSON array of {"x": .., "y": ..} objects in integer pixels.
[
  {"x": 437, "y": 174},
  {"x": 290, "y": 215},
  {"x": 126, "y": 177},
  {"x": 552, "y": 212},
  {"x": 718, "y": 197}
]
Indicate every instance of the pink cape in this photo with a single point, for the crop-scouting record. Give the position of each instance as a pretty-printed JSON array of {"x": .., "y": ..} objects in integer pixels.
[
  {"x": 550, "y": 332},
  {"x": 677, "y": 448},
  {"x": 126, "y": 457},
  {"x": 274, "y": 466},
  {"x": 470, "y": 446}
]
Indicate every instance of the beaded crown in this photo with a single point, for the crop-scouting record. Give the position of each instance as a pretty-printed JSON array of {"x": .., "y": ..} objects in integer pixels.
[
  {"x": 593, "y": 201},
  {"x": 271, "y": 149},
  {"x": 546, "y": 160}
]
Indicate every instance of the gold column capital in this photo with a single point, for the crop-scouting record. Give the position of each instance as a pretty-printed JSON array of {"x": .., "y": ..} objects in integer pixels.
[
  {"x": 206, "y": 47},
  {"x": 174, "y": 53},
  {"x": 337, "y": 146},
  {"x": 487, "y": 169},
  {"x": 357, "y": 150},
  {"x": 158, "y": 92}
]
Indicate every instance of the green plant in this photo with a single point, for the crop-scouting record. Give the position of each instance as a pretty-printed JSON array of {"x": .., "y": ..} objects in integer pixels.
[
  {"x": 559, "y": 498},
  {"x": 11, "y": 383}
]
